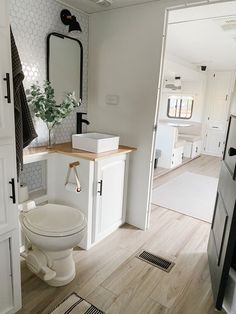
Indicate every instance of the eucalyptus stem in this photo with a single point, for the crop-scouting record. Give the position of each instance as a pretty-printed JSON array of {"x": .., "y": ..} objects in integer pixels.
[{"x": 43, "y": 103}]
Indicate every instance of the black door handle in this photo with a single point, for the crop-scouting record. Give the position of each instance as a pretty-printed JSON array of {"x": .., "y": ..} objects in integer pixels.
[
  {"x": 7, "y": 79},
  {"x": 232, "y": 151},
  {"x": 13, "y": 196},
  {"x": 100, "y": 183}
]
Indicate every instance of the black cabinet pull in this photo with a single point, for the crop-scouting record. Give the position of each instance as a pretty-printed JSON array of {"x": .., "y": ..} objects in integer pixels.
[
  {"x": 7, "y": 79},
  {"x": 100, "y": 190},
  {"x": 13, "y": 196},
  {"x": 232, "y": 151}
]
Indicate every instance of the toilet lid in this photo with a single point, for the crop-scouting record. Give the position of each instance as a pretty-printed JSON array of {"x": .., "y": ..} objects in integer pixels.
[{"x": 54, "y": 220}]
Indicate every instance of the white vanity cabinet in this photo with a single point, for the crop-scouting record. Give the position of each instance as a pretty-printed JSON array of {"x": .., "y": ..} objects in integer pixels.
[{"x": 103, "y": 191}]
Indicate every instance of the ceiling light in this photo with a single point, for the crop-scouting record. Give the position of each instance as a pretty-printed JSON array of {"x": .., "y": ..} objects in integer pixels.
[
  {"x": 178, "y": 82},
  {"x": 226, "y": 23},
  {"x": 103, "y": 3},
  {"x": 174, "y": 83}
]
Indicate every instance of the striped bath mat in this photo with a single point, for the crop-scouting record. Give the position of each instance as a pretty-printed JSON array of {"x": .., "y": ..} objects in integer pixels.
[{"x": 74, "y": 304}]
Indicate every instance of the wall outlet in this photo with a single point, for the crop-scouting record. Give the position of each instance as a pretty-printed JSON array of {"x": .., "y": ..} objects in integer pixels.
[{"x": 112, "y": 100}]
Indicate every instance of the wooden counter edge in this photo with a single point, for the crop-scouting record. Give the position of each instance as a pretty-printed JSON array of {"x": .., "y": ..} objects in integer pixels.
[{"x": 66, "y": 149}]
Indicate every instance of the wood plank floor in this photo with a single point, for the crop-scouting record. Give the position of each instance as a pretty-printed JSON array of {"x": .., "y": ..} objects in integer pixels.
[
  {"x": 113, "y": 279},
  {"x": 205, "y": 165}
]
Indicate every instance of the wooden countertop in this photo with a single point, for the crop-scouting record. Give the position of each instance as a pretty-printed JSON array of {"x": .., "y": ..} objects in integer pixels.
[{"x": 66, "y": 149}]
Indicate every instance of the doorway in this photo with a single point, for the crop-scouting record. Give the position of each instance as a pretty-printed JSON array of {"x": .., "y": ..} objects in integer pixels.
[
  {"x": 194, "y": 109},
  {"x": 198, "y": 82}
]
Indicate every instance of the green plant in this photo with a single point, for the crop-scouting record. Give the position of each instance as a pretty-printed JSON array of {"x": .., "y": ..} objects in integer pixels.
[{"x": 43, "y": 103}]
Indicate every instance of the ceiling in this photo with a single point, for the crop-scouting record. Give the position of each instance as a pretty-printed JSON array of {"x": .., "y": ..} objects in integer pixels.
[
  {"x": 90, "y": 6},
  {"x": 203, "y": 43},
  {"x": 195, "y": 35},
  {"x": 204, "y": 35}
]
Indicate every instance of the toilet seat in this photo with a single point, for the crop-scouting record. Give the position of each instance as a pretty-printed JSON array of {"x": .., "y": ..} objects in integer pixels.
[{"x": 53, "y": 220}]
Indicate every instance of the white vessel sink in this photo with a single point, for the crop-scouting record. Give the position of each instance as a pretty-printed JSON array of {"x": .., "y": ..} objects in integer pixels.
[{"x": 95, "y": 142}]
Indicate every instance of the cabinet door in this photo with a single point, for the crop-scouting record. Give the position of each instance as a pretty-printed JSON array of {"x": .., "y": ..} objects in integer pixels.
[
  {"x": 196, "y": 148},
  {"x": 177, "y": 157},
  {"x": 214, "y": 143},
  {"x": 109, "y": 200},
  {"x": 220, "y": 87},
  {"x": 8, "y": 206},
  {"x": 6, "y": 96}
]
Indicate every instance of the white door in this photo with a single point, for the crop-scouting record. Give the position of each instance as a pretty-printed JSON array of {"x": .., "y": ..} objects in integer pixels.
[
  {"x": 219, "y": 92},
  {"x": 8, "y": 205},
  {"x": 109, "y": 191},
  {"x": 220, "y": 86},
  {"x": 6, "y": 101}
]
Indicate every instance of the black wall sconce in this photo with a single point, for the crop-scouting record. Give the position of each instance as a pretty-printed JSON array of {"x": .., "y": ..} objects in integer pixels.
[{"x": 70, "y": 20}]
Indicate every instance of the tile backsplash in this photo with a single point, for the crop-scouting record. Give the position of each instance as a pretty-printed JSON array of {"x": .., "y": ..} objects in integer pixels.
[
  {"x": 31, "y": 22},
  {"x": 34, "y": 176}
]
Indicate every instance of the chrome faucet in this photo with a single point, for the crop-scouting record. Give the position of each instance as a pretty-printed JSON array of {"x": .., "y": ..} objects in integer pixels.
[{"x": 80, "y": 121}]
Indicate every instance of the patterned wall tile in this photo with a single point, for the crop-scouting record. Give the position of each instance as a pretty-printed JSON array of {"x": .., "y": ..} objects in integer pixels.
[
  {"x": 32, "y": 21},
  {"x": 33, "y": 176}
]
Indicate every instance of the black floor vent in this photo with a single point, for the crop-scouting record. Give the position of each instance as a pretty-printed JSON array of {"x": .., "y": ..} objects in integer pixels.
[{"x": 156, "y": 261}]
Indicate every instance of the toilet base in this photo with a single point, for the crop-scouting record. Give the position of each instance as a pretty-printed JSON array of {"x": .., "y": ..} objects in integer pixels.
[{"x": 55, "y": 268}]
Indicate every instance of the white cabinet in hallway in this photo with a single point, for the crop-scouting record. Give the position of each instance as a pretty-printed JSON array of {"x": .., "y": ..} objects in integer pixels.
[
  {"x": 220, "y": 86},
  {"x": 10, "y": 291},
  {"x": 177, "y": 156},
  {"x": 214, "y": 142},
  {"x": 196, "y": 148},
  {"x": 193, "y": 145},
  {"x": 172, "y": 149}
]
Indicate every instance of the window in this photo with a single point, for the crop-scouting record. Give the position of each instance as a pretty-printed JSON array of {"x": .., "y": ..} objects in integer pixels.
[{"x": 180, "y": 107}]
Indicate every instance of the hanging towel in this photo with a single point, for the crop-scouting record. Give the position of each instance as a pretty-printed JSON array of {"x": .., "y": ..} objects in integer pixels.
[{"x": 24, "y": 128}]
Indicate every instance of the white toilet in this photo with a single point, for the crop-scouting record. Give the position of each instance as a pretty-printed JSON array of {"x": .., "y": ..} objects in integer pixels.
[{"x": 52, "y": 231}]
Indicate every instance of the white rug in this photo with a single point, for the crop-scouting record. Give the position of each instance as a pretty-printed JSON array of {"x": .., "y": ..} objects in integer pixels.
[{"x": 189, "y": 194}]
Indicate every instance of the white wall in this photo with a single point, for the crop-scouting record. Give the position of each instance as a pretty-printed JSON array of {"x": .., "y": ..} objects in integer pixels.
[{"x": 124, "y": 59}]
